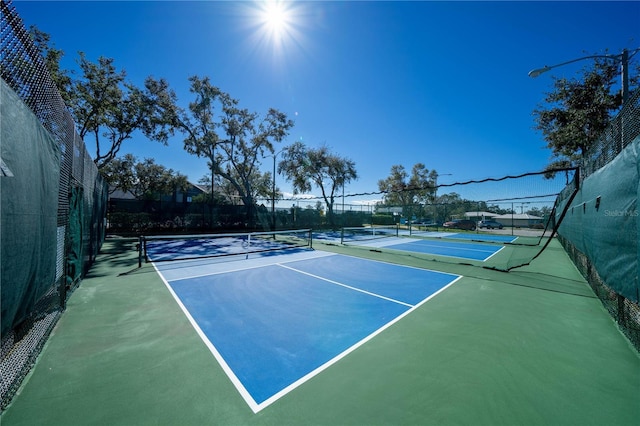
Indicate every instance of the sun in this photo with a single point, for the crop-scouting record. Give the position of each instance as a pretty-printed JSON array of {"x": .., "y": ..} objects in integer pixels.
[
  {"x": 275, "y": 28},
  {"x": 275, "y": 17}
]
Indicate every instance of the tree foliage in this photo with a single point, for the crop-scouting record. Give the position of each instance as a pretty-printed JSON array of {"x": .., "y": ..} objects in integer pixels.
[
  {"x": 310, "y": 167},
  {"x": 232, "y": 139},
  {"x": 111, "y": 110},
  {"x": 409, "y": 191},
  {"x": 104, "y": 105},
  {"x": 577, "y": 111},
  {"x": 144, "y": 179},
  {"x": 52, "y": 56}
]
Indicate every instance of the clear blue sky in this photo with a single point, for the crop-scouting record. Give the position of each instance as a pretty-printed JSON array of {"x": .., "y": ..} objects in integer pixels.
[{"x": 382, "y": 83}]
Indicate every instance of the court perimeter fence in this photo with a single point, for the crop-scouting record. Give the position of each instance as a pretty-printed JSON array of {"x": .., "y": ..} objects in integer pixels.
[
  {"x": 54, "y": 206},
  {"x": 601, "y": 227},
  {"x": 53, "y": 203}
]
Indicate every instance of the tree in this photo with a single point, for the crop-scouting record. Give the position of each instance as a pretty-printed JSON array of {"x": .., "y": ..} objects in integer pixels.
[
  {"x": 543, "y": 212},
  {"x": 578, "y": 111},
  {"x": 199, "y": 125},
  {"x": 120, "y": 173},
  {"x": 104, "y": 105},
  {"x": 52, "y": 56},
  {"x": 245, "y": 143},
  {"x": 234, "y": 143},
  {"x": 145, "y": 179},
  {"x": 410, "y": 192},
  {"x": 309, "y": 167},
  {"x": 450, "y": 205}
]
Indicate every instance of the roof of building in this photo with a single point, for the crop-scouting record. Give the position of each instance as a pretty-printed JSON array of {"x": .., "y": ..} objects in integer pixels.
[
  {"x": 520, "y": 216},
  {"x": 480, "y": 214}
]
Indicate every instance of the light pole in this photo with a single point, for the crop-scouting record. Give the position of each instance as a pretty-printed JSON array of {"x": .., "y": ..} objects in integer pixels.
[
  {"x": 622, "y": 58},
  {"x": 273, "y": 191}
]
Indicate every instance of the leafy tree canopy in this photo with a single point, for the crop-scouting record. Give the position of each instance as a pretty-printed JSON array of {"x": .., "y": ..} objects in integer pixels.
[
  {"x": 52, "y": 56},
  {"x": 144, "y": 179},
  {"x": 402, "y": 189},
  {"x": 104, "y": 105},
  {"x": 578, "y": 110},
  {"x": 232, "y": 139},
  {"x": 317, "y": 167}
]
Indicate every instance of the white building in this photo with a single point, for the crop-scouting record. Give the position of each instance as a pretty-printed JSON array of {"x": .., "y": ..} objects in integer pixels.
[{"x": 522, "y": 220}]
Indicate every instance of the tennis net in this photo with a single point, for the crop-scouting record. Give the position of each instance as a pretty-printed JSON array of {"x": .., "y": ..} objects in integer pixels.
[
  {"x": 182, "y": 247},
  {"x": 496, "y": 223},
  {"x": 365, "y": 233}
]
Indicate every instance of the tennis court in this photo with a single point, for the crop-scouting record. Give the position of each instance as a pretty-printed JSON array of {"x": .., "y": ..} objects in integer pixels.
[
  {"x": 448, "y": 248},
  {"x": 531, "y": 347},
  {"x": 481, "y": 252},
  {"x": 496, "y": 238},
  {"x": 273, "y": 322}
]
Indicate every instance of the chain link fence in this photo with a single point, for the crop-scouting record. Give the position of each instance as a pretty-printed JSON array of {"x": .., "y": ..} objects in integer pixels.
[
  {"x": 600, "y": 233},
  {"x": 53, "y": 203}
]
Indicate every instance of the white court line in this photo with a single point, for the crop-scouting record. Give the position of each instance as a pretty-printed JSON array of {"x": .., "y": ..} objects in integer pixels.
[
  {"x": 243, "y": 265},
  {"x": 499, "y": 250},
  {"x": 255, "y": 407},
  {"x": 451, "y": 247},
  {"x": 347, "y": 351},
  {"x": 347, "y": 286},
  {"x": 244, "y": 393}
]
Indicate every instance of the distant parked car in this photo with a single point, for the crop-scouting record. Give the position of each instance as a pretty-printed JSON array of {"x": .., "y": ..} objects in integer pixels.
[
  {"x": 469, "y": 225},
  {"x": 490, "y": 224}
]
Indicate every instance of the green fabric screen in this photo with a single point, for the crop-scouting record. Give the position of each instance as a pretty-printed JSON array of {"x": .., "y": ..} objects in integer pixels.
[
  {"x": 603, "y": 221},
  {"x": 74, "y": 255},
  {"x": 29, "y": 202}
]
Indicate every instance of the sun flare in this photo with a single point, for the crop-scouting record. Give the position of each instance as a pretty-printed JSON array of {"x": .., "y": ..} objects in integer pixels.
[
  {"x": 276, "y": 27},
  {"x": 276, "y": 18}
]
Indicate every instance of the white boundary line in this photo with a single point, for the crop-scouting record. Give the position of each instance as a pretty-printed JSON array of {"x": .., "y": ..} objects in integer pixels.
[
  {"x": 347, "y": 351},
  {"x": 346, "y": 286},
  {"x": 225, "y": 367},
  {"x": 253, "y": 265},
  {"x": 255, "y": 407},
  {"x": 448, "y": 255},
  {"x": 457, "y": 248},
  {"x": 499, "y": 250}
]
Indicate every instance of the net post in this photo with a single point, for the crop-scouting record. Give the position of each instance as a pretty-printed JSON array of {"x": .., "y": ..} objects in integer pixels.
[
  {"x": 140, "y": 249},
  {"x": 310, "y": 238}
]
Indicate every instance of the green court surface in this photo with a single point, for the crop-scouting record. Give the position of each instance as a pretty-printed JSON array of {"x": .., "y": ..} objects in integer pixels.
[{"x": 529, "y": 347}]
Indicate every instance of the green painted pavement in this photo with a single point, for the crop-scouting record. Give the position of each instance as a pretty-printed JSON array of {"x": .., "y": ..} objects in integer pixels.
[{"x": 531, "y": 347}]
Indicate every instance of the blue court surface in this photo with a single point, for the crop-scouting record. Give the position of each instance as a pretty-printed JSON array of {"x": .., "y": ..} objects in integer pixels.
[
  {"x": 490, "y": 238},
  {"x": 461, "y": 250},
  {"x": 469, "y": 251},
  {"x": 274, "y": 322}
]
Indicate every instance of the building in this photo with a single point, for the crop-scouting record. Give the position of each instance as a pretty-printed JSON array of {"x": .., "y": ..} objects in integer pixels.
[{"x": 521, "y": 220}]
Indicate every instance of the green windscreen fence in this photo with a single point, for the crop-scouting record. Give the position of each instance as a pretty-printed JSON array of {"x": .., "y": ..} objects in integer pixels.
[
  {"x": 29, "y": 199},
  {"x": 602, "y": 222},
  {"x": 601, "y": 227},
  {"x": 53, "y": 200},
  {"x": 73, "y": 260}
]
